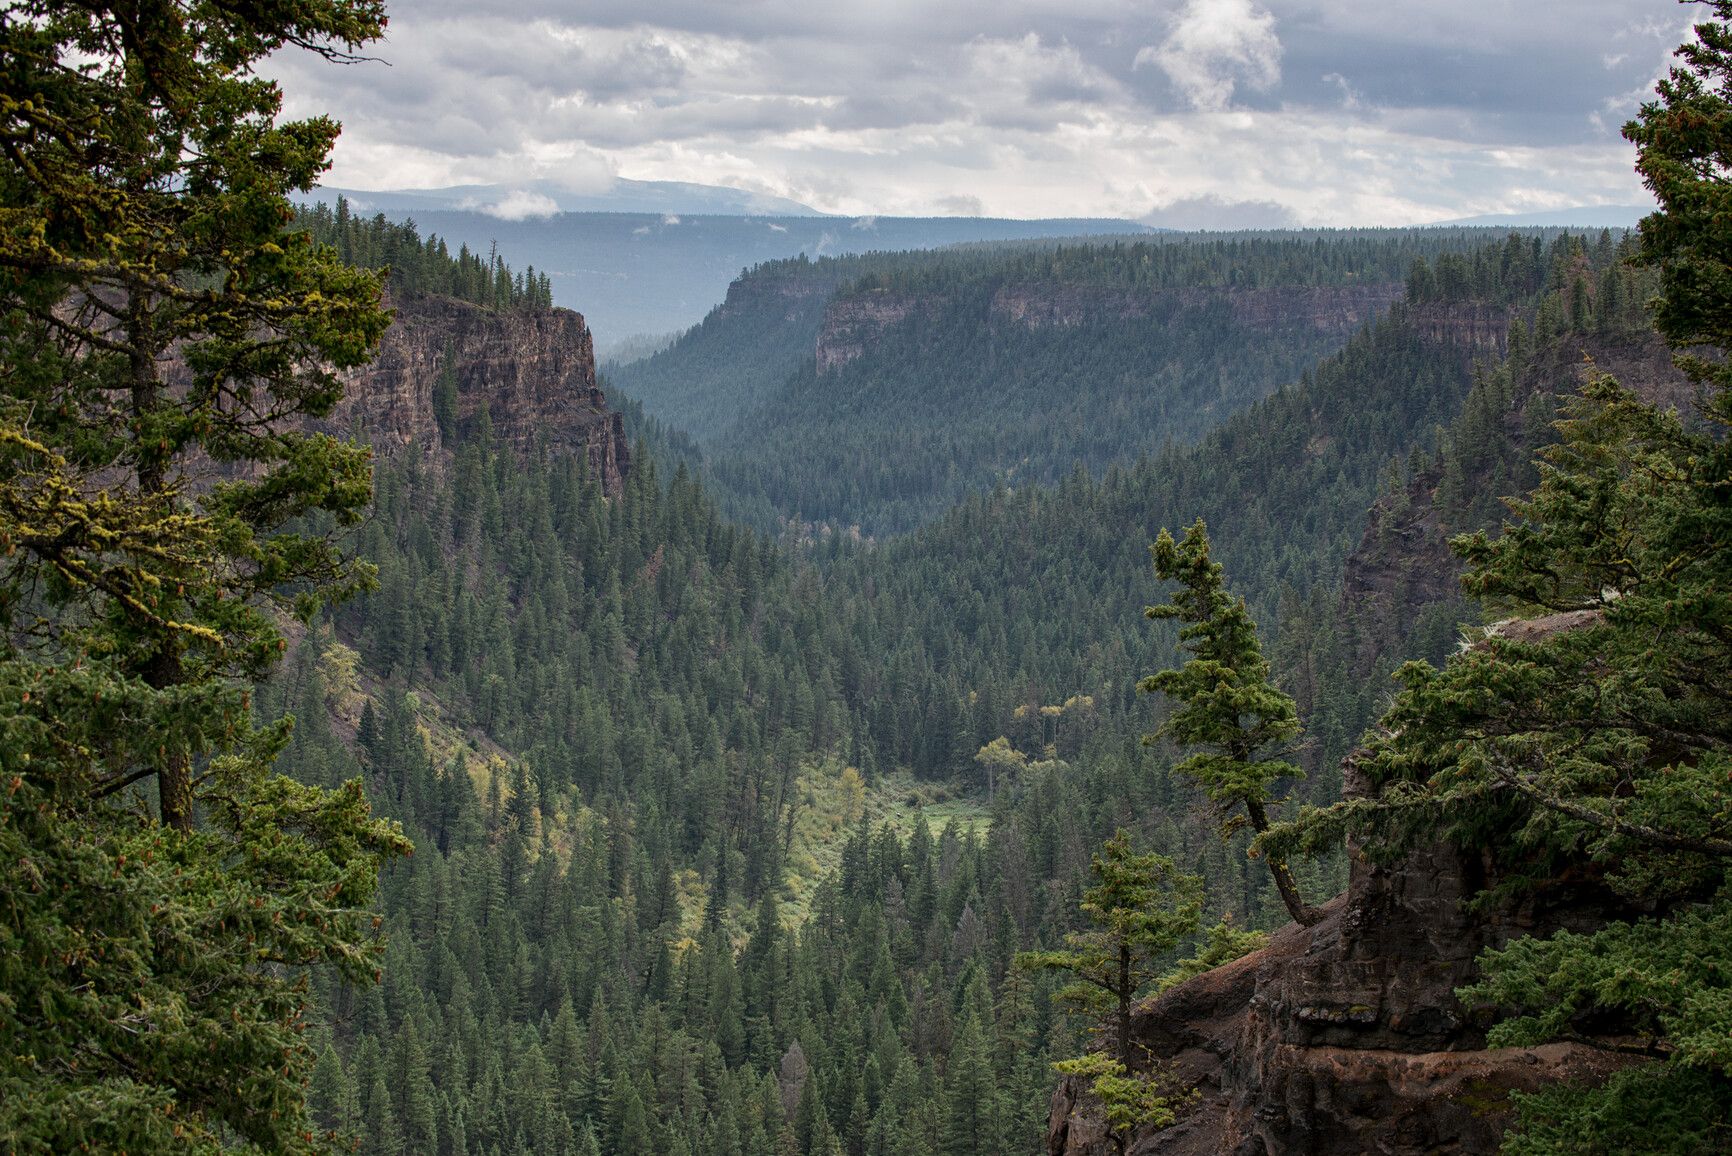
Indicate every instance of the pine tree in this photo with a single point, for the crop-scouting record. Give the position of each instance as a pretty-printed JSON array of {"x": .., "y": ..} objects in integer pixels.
[
  {"x": 1225, "y": 701},
  {"x": 1143, "y": 908},
  {"x": 149, "y": 963}
]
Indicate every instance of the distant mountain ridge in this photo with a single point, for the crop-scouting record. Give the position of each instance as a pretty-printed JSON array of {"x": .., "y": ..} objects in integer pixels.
[
  {"x": 1578, "y": 217},
  {"x": 519, "y": 200},
  {"x": 661, "y": 255}
]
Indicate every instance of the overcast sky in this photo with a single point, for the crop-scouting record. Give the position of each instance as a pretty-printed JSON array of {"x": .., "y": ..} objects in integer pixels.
[{"x": 1250, "y": 112}]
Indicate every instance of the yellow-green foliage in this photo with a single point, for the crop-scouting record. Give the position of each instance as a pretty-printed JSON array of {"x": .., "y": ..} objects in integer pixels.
[
  {"x": 834, "y": 799},
  {"x": 1129, "y": 1099}
]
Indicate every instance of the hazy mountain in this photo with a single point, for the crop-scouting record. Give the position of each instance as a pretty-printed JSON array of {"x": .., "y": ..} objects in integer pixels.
[
  {"x": 1579, "y": 217},
  {"x": 654, "y": 272},
  {"x": 526, "y": 199}
]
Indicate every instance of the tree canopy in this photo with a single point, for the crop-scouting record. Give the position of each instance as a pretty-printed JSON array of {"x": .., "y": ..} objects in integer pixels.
[
  {"x": 1226, "y": 704},
  {"x": 163, "y": 518}
]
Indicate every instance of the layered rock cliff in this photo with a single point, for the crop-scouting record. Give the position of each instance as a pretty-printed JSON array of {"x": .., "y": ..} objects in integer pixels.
[
  {"x": 1337, "y": 309},
  {"x": 1472, "y": 324},
  {"x": 789, "y": 290},
  {"x": 1346, "y": 1037},
  {"x": 532, "y": 372},
  {"x": 853, "y": 321}
]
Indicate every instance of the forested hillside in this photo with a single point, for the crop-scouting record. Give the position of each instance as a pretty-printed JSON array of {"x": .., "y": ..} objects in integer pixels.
[
  {"x": 875, "y": 393},
  {"x": 396, "y": 761},
  {"x": 674, "y": 888}
]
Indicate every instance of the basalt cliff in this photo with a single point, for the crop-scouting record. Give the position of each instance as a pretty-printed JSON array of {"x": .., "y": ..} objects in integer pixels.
[
  {"x": 1347, "y": 1037},
  {"x": 855, "y": 320},
  {"x": 530, "y": 373}
]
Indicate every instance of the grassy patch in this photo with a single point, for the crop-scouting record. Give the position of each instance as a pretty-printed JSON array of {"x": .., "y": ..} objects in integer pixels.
[{"x": 832, "y": 801}]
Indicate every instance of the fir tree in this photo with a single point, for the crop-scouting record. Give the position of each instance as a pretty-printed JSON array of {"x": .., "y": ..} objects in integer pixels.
[
  {"x": 1226, "y": 703},
  {"x": 1143, "y": 908},
  {"x": 150, "y": 954}
]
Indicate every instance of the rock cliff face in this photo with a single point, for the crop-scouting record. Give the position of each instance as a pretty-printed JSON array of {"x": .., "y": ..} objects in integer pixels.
[
  {"x": 854, "y": 321},
  {"x": 1471, "y": 325},
  {"x": 1346, "y": 1037},
  {"x": 791, "y": 290},
  {"x": 533, "y": 373},
  {"x": 1338, "y": 309},
  {"x": 1403, "y": 563}
]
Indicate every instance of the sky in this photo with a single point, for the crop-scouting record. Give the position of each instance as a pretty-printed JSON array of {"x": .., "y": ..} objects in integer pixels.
[{"x": 1217, "y": 113}]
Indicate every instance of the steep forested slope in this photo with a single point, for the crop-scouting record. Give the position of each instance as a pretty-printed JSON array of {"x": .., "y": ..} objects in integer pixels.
[
  {"x": 673, "y": 891},
  {"x": 878, "y": 392},
  {"x": 1042, "y": 587}
]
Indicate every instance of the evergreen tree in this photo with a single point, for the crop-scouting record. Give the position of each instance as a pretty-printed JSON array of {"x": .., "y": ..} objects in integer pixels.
[
  {"x": 1589, "y": 732},
  {"x": 972, "y": 1123},
  {"x": 1226, "y": 703},
  {"x": 148, "y": 959},
  {"x": 1143, "y": 908}
]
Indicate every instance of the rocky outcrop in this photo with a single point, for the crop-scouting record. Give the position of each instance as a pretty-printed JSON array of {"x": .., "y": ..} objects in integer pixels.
[
  {"x": 532, "y": 372},
  {"x": 1346, "y": 1037},
  {"x": 1337, "y": 309},
  {"x": 854, "y": 321},
  {"x": 791, "y": 289},
  {"x": 1469, "y": 324},
  {"x": 1403, "y": 563}
]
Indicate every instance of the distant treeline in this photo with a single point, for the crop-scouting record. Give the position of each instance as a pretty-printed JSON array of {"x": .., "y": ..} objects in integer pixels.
[{"x": 424, "y": 268}]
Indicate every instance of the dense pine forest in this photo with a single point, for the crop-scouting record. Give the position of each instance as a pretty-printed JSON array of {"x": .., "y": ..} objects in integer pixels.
[
  {"x": 821, "y": 786},
  {"x": 703, "y": 817},
  {"x": 941, "y": 375}
]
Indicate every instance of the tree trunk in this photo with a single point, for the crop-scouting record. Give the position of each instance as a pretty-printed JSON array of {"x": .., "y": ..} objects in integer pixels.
[
  {"x": 173, "y": 776},
  {"x": 173, "y": 772},
  {"x": 1302, "y": 912},
  {"x": 1123, "y": 1042}
]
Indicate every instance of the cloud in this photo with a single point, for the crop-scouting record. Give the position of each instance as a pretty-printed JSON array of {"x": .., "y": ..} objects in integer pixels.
[
  {"x": 1214, "y": 46},
  {"x": 670, "y": 219},
  {"x": 1349, "y": 98},
  {"x": 1215, "y": 212},
  {"x": 520, "y": 205},
  {"x": 961, "y": 205},
  {"x": 775, "y": 228},
  {"x": 1338, "y": 111}
]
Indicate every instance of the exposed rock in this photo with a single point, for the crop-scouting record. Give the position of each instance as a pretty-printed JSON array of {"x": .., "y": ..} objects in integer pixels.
[
  {"x": 1403, "y": 563},
  {"x": 1469, "y": 324},
  {"x": 1347, "y": 1037},
  {"x": 533, "y": 372},
  {"x": 854, "y": 321},
  {"x": 1338, "y": 309},
  {"x": 1532, "y": 630},
  {"x": 792, "y": 288}
]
